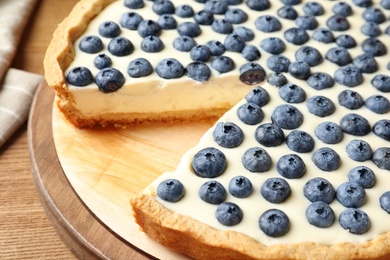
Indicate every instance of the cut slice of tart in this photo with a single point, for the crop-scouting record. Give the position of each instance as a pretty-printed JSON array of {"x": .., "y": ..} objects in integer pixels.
[
  {"x": 146, "y": 82},
  {"x": 257, "y": 188}
]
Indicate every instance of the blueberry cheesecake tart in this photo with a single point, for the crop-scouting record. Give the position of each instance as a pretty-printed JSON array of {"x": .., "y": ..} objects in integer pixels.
[{"x": 298, "y": 165}]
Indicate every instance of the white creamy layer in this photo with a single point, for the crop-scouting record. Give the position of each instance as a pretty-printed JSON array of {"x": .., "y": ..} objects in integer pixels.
[{"x": 296, "y": 205}]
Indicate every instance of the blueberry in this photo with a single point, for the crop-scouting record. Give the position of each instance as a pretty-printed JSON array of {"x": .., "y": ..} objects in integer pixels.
[
  {"x": 371, "y": 29},
  {"x": 309, "y": 55},
  {"x": 320, "y": 214},
  {"x": 109, "y": 29},
  {"x": 373, "y": 46},
  {"x": 91, "y": 44},
  {"x": 216, "y": 47},
  {"x": 148, "y": 27},
  {"x": 102, "y": 61},
  {"x": 209, "y": 163},
  {"x": 297, "y": 36},
  {"x": 240, "y": 187},
  {"x": 222, "y": 26},
  {"x": 307, "y": 22},
  {"x": 259, "y": 96},
  {"x": 291, "y": 2},
  {"x": 268, "y": 23},
  {"x": 278, "y": 63},
  {"x": 384, "y": 201},
  {"x": 198, "y": 71},
  {"x": 359, "y": 150},
  {"x": 382, "y": 129},
  {"x": 109, "y": 80},
  {"x": 381, "y": 82},
  {"x": 387, "y": 30},
  {"x": 275, "y": 190},
  {"x": 323, "y": 35},
  {"x": 319, "y": 189},
  {"x": 274, "y": 223},
  {"x": 381, "y": 158},
  {"x": 338, "y": 23},
  {"x": 338, "y": 55},
  {"x": 299, "y": 69},
  {"x": 363, "y": 175},
  {"x": 163, "y": 7},
  {"x": 356, "y": 221},
  {"x": 256, "y": 159},
  {"x": 292, "y": 93},
  {"x": 216, "y": 7},
  {"x": 366, "y": 63},
  {"x": 204, "y": 17},
  {"x": 152, "y": 44},
  {"x": 378, "y": 104},
  {"x": 222, "y": 64},
  {"x": 313, "y": 8},
  {"x": 326, "y": 159},
  {"x": 355, "y": 124},
  {"x": 235, "y": 16},
  {"x": 350, "y": 99},
  {"x": 167, "y": 22},
  {"x": 130, "y": 20},
  {"x": 320, "y": 106},
  {"x": 346, "y": 41},
  {"x": 189, "y": 29},
  {"x": 273, "y": 45},
  {"x": 212, "y": 192},
  {"x": 258, "y": 5},
  {"x": 385, "y": 4},
  {"x": 287, "y": 12},
  {"x": 277, "y": 79},
  {"x": 228, "y": 134},
  {"x": 349, "y": 76},
  {"x": 171, "y": 190},
  {"x": 184, "y": 43},
  {"x": 351, "y": 195},
  {"x": 252, "y": 73},
  {"x": 170, "y": 68},
  {"x": 291, "y": 166},
  {"x": 300, "y": 141},
  {"x": 269, "y": 135},
  {"x": 320, "y": 80},
  {"x": 250, "y": 113},
  {"x": 200, "y": 53},
  {"x": 362, "y": 3},
  {"x": 184, "y": 11},
  {"x": 79, "y": 76},
  {"x": 234, "y": 43},
  {"x": 251, "y": 53},
  {"x": 229, "y": 214},
  {"x": 342, "y": 8},
  {"x": 139, "y": 67},
  {"x": 329, "y": 132},
  {"x": 134, "y": 4},
  {"x": 375, "y": 15},
  {"x": 245, "y": 33},
  {"x": 287, "y": 116}
]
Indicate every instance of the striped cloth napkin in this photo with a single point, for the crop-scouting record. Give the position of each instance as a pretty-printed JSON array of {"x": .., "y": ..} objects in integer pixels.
[{"x": 17, "y": 87}]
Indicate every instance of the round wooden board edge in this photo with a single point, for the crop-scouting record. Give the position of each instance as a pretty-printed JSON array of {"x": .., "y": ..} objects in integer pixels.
[{"x": 65, "y": 214}]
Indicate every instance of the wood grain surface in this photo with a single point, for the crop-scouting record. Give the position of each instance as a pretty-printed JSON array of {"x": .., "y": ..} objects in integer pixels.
[{"x": 25, "y": 231}]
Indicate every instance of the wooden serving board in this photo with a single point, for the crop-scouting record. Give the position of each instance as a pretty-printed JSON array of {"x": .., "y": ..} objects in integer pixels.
[{"x": 103, "y": 169}]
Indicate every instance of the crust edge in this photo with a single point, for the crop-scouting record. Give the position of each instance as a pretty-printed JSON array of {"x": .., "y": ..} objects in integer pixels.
[{"x": 200, "y": 241}]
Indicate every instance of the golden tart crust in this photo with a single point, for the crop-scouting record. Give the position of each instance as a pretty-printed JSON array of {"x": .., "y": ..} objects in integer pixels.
[{"x": 200, "y": 241}]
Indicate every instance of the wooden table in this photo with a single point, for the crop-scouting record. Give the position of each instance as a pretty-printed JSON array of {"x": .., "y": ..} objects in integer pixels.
[{"x": 25, "y": 231}]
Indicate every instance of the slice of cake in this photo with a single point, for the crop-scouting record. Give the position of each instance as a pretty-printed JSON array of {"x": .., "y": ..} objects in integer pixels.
[{"x": 117, "y": 63}]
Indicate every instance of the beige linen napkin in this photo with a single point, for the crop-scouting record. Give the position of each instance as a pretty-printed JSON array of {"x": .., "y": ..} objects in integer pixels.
[{"x": 16, "y": 87}]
